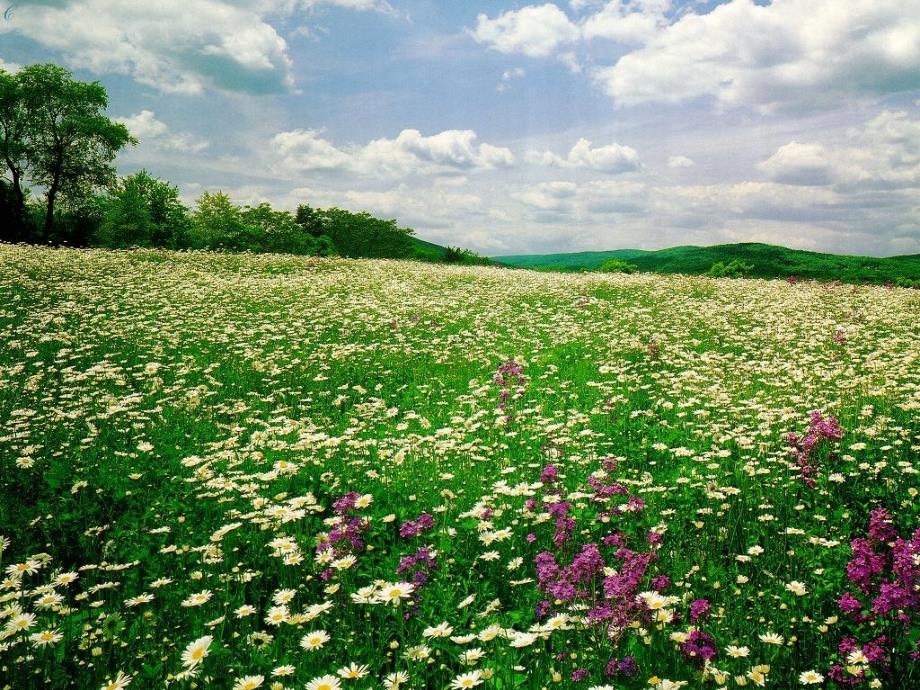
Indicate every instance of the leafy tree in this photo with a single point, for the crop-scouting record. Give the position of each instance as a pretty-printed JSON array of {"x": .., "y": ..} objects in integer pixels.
[
  {"x": 617, "y": 266},
  {"x": 457, "y": 255},
  {"x": 279, "y": 231},
  {"x": 363, "y": 235},
  {"x": 217, "y": 223},
  {"x": 735, "y": 268},
  {"x": 55, "y": 134},
  {"x": 312, "y": 220},
  {"x": 143, "y": 211},
  {"x": 15, "y": 220},
  {"x": 13, "y": 121}
]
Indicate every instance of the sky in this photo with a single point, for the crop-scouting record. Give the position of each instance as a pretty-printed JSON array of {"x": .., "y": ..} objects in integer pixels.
[{"x": 513, "y": 128}]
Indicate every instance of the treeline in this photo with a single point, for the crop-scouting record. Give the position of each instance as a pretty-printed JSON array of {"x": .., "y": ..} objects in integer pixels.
[{"x": 55, "y": 135}]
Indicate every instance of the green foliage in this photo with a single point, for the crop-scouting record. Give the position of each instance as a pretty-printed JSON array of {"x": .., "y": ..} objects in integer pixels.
[
  {"x": 15, "y": 221},
  {"x": 218, "y": 223},
  {"x": 57, "y": 135},
  {"x": 466, "y": 257},
  {"x": 358, "y": 234},
  {"x": 769, "y": 262},
  {"x": 733, "y": 269},
  {"x": 905, "y": 282},
  {"x": 144, "y": 211},
  {"x": 279, "y": 231},
  {"x": 617, "y": 266}
]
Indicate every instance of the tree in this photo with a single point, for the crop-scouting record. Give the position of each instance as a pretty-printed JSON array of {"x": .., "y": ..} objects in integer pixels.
[
  {"x": 311, "y": 219},
  {"x": 67, "y": 144},
  {"x": 13, "y": 120},
  {"x": 618, "y": 266},
  {"x": 363, "y": 235},
  {"x": 143, "y": 211},
  {"x": 735, "y": 268},
  {"x": 218, "y": 223},
  {"x": 279, "y": 231}
]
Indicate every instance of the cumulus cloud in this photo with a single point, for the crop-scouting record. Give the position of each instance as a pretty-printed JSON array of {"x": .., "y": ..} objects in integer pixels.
[
  {"x": 177, "y": 46},
  {"x": 680, "y": 162},
  {"x": 450, "y": 151},
  {"x": 612, "y": 159},
  {"x": 11, "y": 67},
  {"x": 790, "y": 53},
  {"x": 786, "y": 54},
  {"x": 626, "y": 22},
  {"x": 156, "y": 134},
  {"x": 535, "y": 30},
  {"x": 884, "y": 153},
  {"x": 539, "y": 30}
]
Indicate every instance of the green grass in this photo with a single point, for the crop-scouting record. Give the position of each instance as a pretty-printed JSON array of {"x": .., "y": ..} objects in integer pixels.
[
  {"x": 175, "y": 423},
  {"x": 769, "y": 261}
]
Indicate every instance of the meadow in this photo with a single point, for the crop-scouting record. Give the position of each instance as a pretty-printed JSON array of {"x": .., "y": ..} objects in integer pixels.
[{"x": 252, "y": 471}]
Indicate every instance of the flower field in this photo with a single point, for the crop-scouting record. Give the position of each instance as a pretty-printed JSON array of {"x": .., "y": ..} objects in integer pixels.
[{"x": 233, "y": 471}]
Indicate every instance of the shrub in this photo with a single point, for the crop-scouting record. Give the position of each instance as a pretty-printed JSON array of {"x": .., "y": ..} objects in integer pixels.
[
  {"x": 617, "y": 266},
  {"x": 143, "y": 211},
  {"x": 735, "y": 268},
  {"x": 467, "y": 257}
]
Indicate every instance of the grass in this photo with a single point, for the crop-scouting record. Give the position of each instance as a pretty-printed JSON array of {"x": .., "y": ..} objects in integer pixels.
[
  {"x": 768, "y": 262},
  {"x": 327, "y": 472}
]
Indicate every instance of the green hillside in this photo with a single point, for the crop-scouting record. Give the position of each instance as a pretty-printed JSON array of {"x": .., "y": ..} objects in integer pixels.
[
  {"x": 427, "y": 251},
  {"x": 768, "y": 262}
]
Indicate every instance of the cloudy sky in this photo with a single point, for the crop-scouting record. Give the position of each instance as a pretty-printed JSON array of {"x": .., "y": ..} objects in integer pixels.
[{"x": 520, "y": 128}]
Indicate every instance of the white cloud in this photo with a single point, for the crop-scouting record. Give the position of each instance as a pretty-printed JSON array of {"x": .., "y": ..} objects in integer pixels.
[
  {"x": 177, "y": 46},
  {"x": 804, "y": 53},
  {"x": 795, "y": 163},
  {"x": 613, "y": 158},
  {"x": 884, "y": 153},
  {"x": 680, "y": 162},
  {"x": 450, "y": 151},
  {"x": 156, "y": 134},
  {"x": 535, "y": 30},
  {"x": 509, "y": 75},
  {"x": 627, "y": 22},
  {"x": 801, "y": 54},
  {"x": 10, "y": 67}
]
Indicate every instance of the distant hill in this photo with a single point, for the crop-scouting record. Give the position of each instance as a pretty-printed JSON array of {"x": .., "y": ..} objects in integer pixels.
[
  {"x": 427, "y": 251},
  {"x": 768, "y": 261}
]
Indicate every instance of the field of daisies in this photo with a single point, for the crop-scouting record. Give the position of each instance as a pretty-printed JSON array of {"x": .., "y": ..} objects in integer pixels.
[{"x": 239, "y": 472}]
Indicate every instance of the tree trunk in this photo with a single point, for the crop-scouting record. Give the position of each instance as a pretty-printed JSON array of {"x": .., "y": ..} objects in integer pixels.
[{"x": 49, "y": 213}]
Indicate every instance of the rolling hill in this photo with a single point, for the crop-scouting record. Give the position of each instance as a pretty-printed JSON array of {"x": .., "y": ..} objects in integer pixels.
[{"x": 768, "y": 261}]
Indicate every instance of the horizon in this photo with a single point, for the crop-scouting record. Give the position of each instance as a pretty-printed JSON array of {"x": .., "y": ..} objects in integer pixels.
[
  {"x": 521, "y": 128},
  {"x": 703, "y": 246}
]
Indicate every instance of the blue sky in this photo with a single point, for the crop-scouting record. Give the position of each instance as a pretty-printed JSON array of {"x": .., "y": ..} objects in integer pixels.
[{"x": 516, "y": 127}]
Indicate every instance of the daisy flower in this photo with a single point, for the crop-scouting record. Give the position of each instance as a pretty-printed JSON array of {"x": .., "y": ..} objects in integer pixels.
[
  {"x": 248, "y": 682},
  {"x": 45, "y": 637},
  {"x": 198, "y": 599},
  {"x": 797, "y": 588},
  {"x": 119, "y": 682},
  {"x": 393, "y": 593},
  {"x": 352, "y": 671},
  {"x": 467, "y": 680},
  {"x": 195, "y": 653},
  {"x": 439, "y": 630},
  {"x": 324, "y": 683},
  {"x": 314, "y": 640},
  {"x": 810, "y": 678}
]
